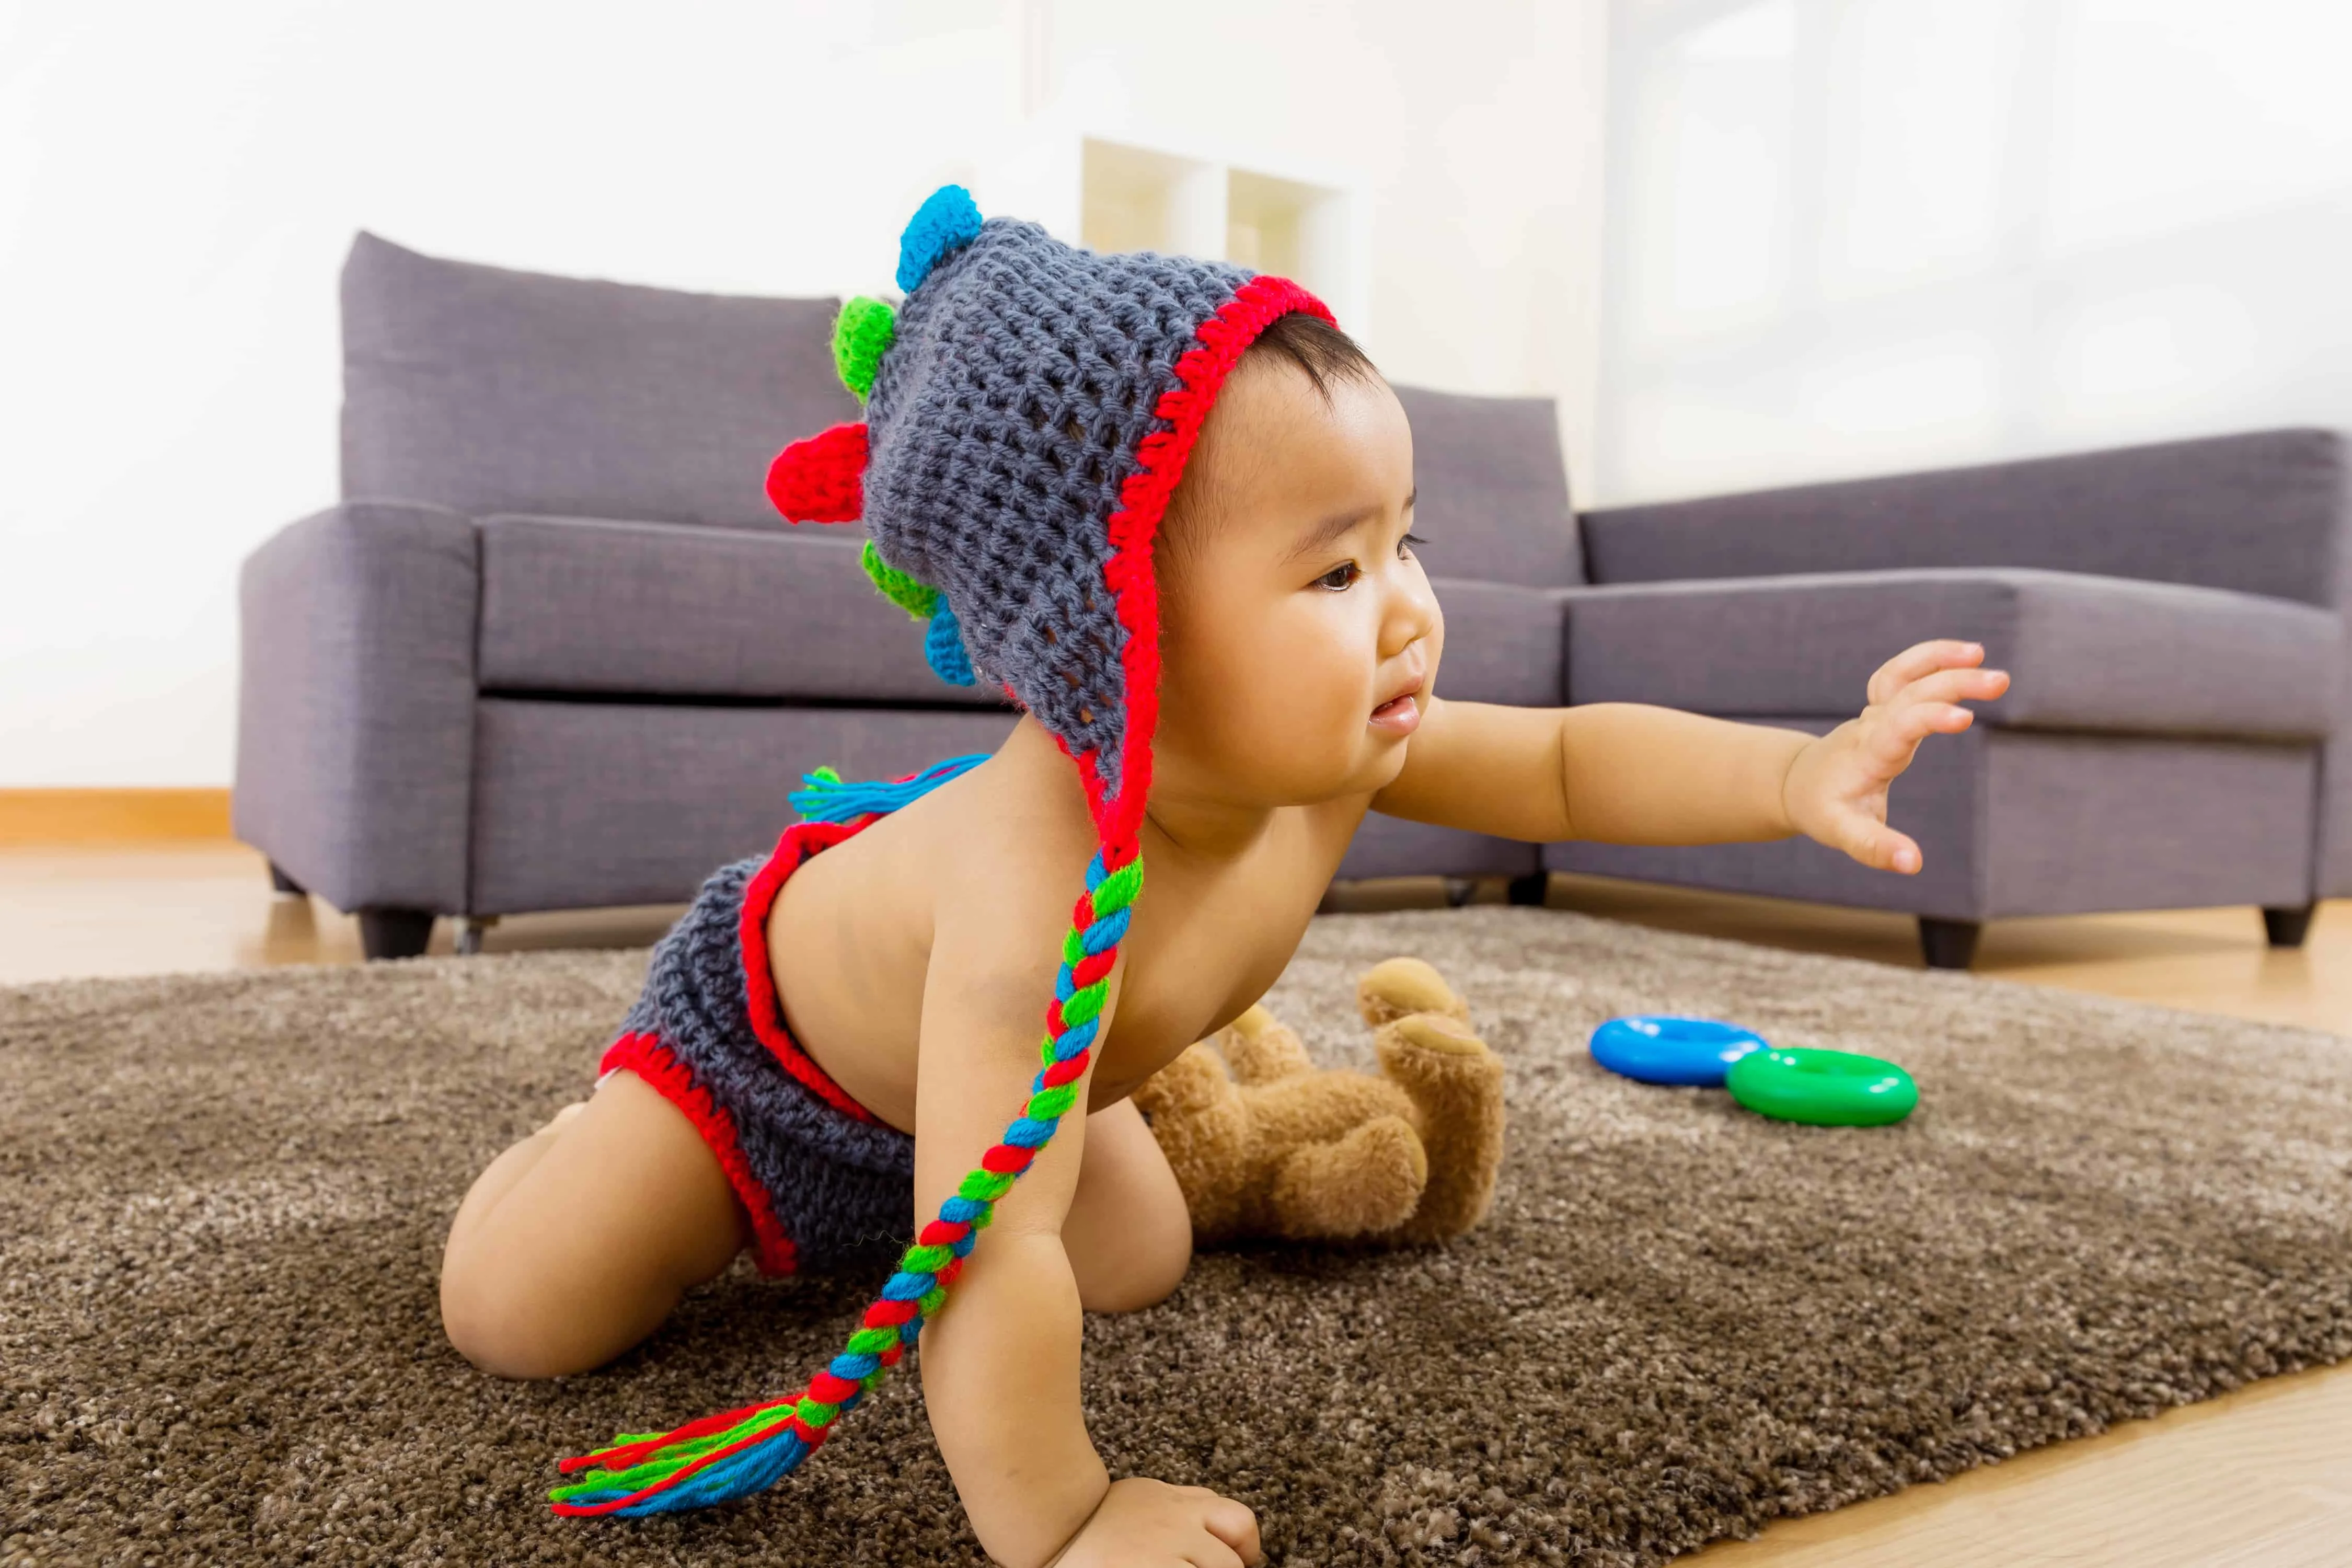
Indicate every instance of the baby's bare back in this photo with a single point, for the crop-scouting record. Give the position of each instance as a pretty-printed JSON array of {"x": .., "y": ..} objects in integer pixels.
[{"x": 850, "y": 938}]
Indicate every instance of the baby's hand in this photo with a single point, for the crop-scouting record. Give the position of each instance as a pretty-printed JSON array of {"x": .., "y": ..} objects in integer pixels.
[
  {"x": 1149, "y": 1524},
  {"x": 1835, "y": 789}
]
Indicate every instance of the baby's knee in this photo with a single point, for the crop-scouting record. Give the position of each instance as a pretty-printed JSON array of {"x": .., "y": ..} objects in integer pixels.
[
  {"x": 1155, "y": 1251},
  {"x": 506, "y": 1323}
]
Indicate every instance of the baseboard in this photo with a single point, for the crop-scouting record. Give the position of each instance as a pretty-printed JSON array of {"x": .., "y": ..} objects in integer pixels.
[{"x": 111, "y": 815}]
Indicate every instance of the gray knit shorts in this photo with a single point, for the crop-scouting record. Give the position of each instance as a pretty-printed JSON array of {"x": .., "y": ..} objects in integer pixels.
[{"x": 827, "y": 1182}]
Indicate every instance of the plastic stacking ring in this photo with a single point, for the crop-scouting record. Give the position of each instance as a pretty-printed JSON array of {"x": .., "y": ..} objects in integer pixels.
[
  {"x": 1655, "y": 1048},
  {"x": 1827, "y": 1089}
]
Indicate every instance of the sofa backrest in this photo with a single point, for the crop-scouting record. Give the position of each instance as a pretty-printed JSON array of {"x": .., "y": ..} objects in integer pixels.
[
  {"x": 488, "y": 390},
  {"x": 2260, "y": 512},
  {"x": 1493, "y": 489}
]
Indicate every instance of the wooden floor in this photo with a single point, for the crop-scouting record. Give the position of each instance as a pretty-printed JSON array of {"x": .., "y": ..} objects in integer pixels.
[{"x": 2262, "y": 1478}]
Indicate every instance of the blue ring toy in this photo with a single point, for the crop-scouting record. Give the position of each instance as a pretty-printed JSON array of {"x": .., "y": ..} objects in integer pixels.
[{"x": 1653, "y": 1047}]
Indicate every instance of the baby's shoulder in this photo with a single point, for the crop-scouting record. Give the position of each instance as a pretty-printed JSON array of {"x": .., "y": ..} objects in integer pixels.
[{"x": 1009, "y": 842}]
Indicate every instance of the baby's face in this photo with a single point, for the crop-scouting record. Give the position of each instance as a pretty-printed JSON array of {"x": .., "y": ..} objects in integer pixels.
[{"x": 1299, "y": 638}]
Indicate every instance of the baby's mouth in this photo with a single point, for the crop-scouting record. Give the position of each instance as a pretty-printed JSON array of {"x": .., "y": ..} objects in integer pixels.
[{"x": 1399, "y": 715}]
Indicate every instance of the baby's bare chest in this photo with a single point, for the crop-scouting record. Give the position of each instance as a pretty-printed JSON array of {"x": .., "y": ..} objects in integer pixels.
[
  {"x": 851, "y": 963},
  {"x": 1202, "y": 950}
]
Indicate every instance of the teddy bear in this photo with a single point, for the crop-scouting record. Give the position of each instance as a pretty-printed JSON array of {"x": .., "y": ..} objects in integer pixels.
[{"x": 1265, "y": 1144}]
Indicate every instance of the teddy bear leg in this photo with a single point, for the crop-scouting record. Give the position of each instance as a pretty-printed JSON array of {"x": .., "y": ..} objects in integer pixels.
[
  {"x": 1457, "y": 1084},
  {"x": 1262, "y": 1050},
  {"x": 1397, "y": 987},
  {"x": 1366, "y": 1183},
  {"x": 1196, "y": 1115}
]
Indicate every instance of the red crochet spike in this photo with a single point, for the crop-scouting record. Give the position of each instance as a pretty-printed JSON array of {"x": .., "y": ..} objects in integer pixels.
[{"x": 821, "y": 480}]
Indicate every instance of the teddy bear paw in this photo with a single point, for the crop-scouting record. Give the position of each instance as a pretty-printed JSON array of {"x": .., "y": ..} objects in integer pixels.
[
  {"x": 1399, "y": 987},
  {"x": 1369, "y": 1182}
]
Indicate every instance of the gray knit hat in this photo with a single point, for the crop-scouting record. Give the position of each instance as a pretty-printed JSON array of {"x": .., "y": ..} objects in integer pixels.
[{"x": 1029, "y": 411}]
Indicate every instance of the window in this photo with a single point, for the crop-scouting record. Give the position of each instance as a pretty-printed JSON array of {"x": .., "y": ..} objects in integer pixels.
[{"x": 1852, "y": 236}]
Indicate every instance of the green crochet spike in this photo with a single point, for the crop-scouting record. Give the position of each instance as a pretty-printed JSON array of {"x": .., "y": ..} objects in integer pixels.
[
  {"x": 862, "y": 333},
  {"x": 917, "y": 599}
]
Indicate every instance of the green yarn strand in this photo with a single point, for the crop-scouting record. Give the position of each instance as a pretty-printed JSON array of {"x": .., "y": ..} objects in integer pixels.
[
  {"x": 917, "y": 599},
  {"x": 1119, "y": 889},
  {"x": 985, "y": 1187},
  {"x": 1086, "y": 1002},
  {"x": 862, "y": 334},
  {"x": 1048, "y": 1104}
]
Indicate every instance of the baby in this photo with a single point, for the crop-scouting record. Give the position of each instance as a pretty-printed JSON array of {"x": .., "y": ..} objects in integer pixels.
[{"x": 1167, "y": 506}]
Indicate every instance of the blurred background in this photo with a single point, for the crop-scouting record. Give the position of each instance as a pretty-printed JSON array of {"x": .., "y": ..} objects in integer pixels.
[{"x": 1739, "y": 241}]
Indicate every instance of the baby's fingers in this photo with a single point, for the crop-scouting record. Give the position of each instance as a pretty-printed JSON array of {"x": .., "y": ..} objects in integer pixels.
[
  {"x": 1954, "y": 685},
  {"x": 1236, "y": 1526},
  {"x": 1918, "y": 659},
  {"x": 1893, "y": 737},
  {"x": 1877, "y": 846}
]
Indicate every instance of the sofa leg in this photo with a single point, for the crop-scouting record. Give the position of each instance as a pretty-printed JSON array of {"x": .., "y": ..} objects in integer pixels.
[
  {"x": 1528, "y": 891},
  {"x": 1947, "y": 944},
  {"x": 284, "y": 883},
  {"x": 470, "y": 931},
  {"x": 2287, "y": 927},
  {"x": 394, "y": 933},
  {"x": 1460, "y": 891}
]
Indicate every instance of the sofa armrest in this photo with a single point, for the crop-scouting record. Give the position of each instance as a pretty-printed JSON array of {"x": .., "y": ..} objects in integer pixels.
[
  {"x": 356, "y": 708},
  {"x": 2259, "y": 513}
]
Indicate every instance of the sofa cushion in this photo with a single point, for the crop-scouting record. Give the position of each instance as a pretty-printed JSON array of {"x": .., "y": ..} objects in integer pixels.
[
  {"x": 491, "y": 390},
  {"x": 2083, "y": 652},
  {"x": 2260, "y": 512},
  {"x": 1502, "y": 643},
  {"x": 1493, "y": 489},
  {"x": 584, "y": 606}
]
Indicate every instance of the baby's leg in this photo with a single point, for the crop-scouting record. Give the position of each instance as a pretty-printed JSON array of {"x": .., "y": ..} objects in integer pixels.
[
  {"x": 576, "y": 1243},
  {"x": 1127, "y": 1233}
]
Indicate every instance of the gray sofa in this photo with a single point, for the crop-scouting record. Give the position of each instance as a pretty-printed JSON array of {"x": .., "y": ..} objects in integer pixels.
[{"x": 553, "y": 649}]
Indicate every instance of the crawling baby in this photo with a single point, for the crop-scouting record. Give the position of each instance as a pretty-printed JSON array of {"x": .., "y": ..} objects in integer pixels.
[{"x": 1167, "y": 506}]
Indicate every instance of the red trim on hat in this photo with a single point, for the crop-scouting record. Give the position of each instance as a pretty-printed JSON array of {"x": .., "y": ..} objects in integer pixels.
[
  {"x": 1143, "y": 500},
  {"x": 653, "y": 1061}
]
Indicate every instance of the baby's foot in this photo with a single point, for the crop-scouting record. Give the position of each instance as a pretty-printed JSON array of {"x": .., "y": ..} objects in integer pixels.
[{"x": 564, "y": 1115}]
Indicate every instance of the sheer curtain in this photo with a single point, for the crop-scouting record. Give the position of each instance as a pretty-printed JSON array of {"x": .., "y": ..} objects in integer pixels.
[{"x": 1851, "y": 236}]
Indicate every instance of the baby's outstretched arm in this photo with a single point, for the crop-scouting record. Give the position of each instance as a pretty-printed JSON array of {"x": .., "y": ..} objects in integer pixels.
[
  {"x": 1625, "y": 772},
  {"x": 1000, "y": 1362}
]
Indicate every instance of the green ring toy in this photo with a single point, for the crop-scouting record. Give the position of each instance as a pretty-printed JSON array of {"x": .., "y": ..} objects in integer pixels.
[{"x": 1825, "y": 1088}]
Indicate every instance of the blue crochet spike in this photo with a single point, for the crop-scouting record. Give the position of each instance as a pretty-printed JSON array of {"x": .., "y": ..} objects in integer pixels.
[
  {"x": 946, "y": 221},
  {"x": 943, "y": 647},
  {"x": 828, "y": 798}
]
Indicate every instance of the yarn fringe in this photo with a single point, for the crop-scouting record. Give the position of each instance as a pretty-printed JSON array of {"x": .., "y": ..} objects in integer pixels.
[{"x": 830, "y": 798}]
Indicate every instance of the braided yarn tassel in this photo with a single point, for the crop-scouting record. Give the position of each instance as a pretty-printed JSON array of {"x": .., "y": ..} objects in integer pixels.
[{"x": 738, "y": 1452}]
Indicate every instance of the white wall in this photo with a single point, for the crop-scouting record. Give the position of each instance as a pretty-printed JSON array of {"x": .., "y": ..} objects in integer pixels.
[
  {"x": 1853, "y": 237},
  {"x": 178, "y": 185}
]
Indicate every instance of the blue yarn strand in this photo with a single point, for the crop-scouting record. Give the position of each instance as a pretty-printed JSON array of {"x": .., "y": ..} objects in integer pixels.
[{"x": 828, "y": 798}]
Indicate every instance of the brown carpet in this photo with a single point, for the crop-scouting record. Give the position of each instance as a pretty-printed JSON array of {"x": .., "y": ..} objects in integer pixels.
[{"x": 222, "y": 1203}]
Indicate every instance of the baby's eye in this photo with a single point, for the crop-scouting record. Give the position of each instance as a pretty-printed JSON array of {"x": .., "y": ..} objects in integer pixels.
[
  {"x": 1338, "y": 577},
  {"x": 1410, "y": 539}
]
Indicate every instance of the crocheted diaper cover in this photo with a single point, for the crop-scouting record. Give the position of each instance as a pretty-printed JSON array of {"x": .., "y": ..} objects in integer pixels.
[{"x": 826, "y": 1181}]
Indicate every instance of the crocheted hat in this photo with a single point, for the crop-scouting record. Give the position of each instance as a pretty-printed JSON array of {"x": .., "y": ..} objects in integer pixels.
[
  {"x": 1029, "y": 411},
  {"x": 1030, "y": 408}
]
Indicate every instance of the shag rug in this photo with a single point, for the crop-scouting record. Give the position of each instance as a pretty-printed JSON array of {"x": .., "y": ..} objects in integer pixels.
[{"x": 223, "y": 1201}]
